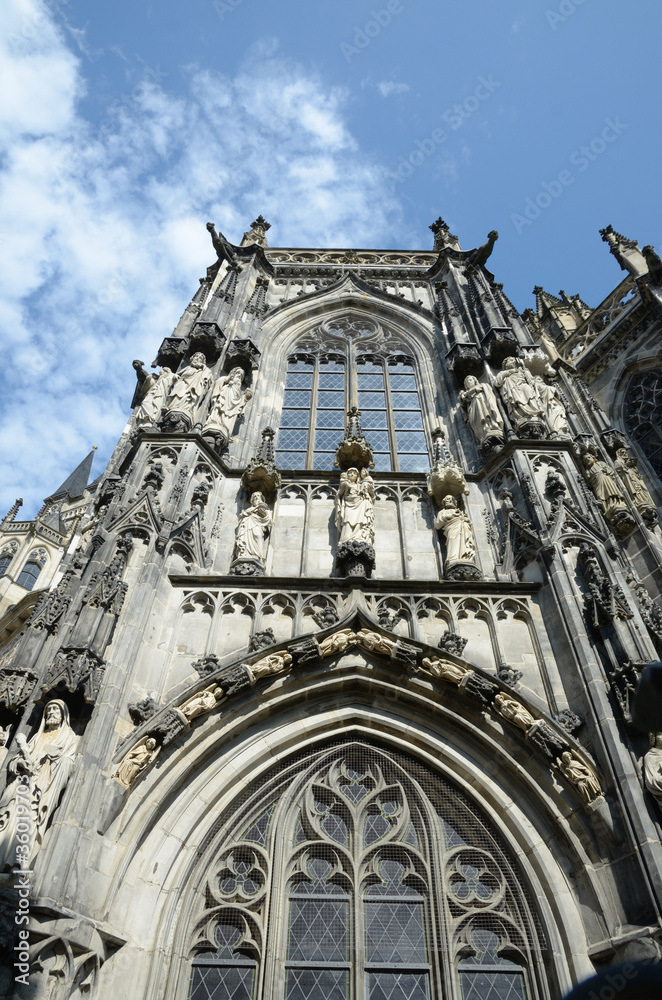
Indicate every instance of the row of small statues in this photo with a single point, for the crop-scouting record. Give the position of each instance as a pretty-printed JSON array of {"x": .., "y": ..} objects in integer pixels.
[
  {"x": 355, "y": 521},
  {"x": 176, "y": 400}
]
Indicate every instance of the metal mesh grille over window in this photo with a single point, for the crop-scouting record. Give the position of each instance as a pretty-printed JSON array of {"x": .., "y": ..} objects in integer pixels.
[{"x": 362, "y": 874}]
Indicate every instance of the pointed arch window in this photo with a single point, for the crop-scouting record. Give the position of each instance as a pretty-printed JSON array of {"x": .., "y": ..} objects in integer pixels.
[
  {"x": 320, "y": 390},
  {"x": 643, "y": 415},
  {"x": 4, "y": 564},
  {"x": 362, "y": 876},
  {"x": 29, "y": 574}
]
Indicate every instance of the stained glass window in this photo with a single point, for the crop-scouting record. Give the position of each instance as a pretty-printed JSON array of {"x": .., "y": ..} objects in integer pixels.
[
  {"x": 28, "y": 575},
  {"x": 643, "y": 415},
  {"x": 488, "y": 976},
  {"x": 4, "y": 564},
  {"x": 225, "y": 974}
]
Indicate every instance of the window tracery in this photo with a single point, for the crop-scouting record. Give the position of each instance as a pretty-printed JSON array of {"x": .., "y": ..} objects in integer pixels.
[
  {"x": 643, "y": 415},
  {"x": 363, "y": 875}
]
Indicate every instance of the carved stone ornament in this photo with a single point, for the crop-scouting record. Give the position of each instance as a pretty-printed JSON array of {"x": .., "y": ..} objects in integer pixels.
[
  {"x": 479, "y": 687},
  {"x": 51, "y": 608},
  {"x": 355, "y": 558},
  {"x": 262, "y": 474},
  {"x": 554, "y": 408},
  {"x": 253, "y": 530},
  {"x": 276, "y": 663},
  {"x": 202, "y": 702},
  {"x": 508, "y": 675},
  {"x": 235, "y": 679},
  {"x": 75, "y": 669},
  {"x": 169, "y": 726},
  {"x": 355, "y": 517},
  {"x": 187, "y": 393},
  {"x": 463, "y": 360},
  {"x": 105, "y": 589},
  {"x": 650, "y": 610},
  {"x": 499, "y": 344},
  {"x": 154, "y": 391},
  {"x": 579, "y": 774},
  {"x": 603, "y": 600},
  {"x": 624, "y": 681},
  {"x": 543, "y": 736},
  {"x": 16, "y": 687},
  {"x": 326, "y": 617},
  {"x": 404, "y": 653},
  {"x": 260, "y": 640},
  {"x": 242, "y": 352},
  {"x": 206, "y": 665},
  {"x": 305, "y": 650},
  {"x": 206, "y": 338},
  {"x": 445, "y": 669},
  {"x": 143, "y": 710},
  {"x": 609, "y": 495},
  {"x": 451, "y": 642},
  {"x": 513, "y": 711},
  {"x": 628, "y": 472},
  {"x": 446, "y": 477},
  {"x": 354, "y": 451},
  {"x": 568, "y": 720}
]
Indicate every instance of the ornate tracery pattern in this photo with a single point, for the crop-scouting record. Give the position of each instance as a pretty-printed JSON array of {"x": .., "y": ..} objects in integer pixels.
[
  {"x": 643, "y": 415},
  {"x": 363, "y": 876}
]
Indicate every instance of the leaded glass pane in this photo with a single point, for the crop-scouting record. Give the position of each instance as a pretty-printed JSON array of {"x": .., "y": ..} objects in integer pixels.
[
  {"x": 404, "y": 382},
  {"x": 326, "y": 440},
  {"x": 408, "y": 420},
  {"x": 299, "y": 380},
  {"x": 332, "y": 380},
  {"x": 314, "y": 984},
  {"x": 295, "y": 418},
  {"x": 292, "y": 459},
  {"x": 297, "y": 397},
  {"x": 331, "y": 418},
  {"x": 370, "y": 381},
  {"x": 319, "y": 870},
  {"x": 330, "y": 398},
  {"x": 382, "y": 462},
  {"x": 292, "y": 439},
  {"x": 377, "y": 400},
  {"x": 411, "y": 441},
  {"x": 318, "y": 930},
  {"x": 394, "y": 932},
  {"x": 378, "y": 440},
  {"x": 401, "y": 368},
  {"x": 323, "y": 460},
  {"x": 391, "y": 874},
  {"x": 215, "y": 982},
  {"x": 413, "y": 463},
  {"x": 405, "y": 400},
  {"x": 300, "y": 366},
  {"x": 373, "y": 418},
  {"x": 492, "y": 985},
  {"x": 332, "y": 366},
  {"x": 368, "y": 366},
  {"x": 398, "y": 985}
]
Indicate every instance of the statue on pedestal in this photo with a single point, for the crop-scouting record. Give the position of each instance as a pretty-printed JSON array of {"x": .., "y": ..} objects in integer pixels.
[
  {"x": 460, "y": 561},
  {"x": 187, "y": 393},
  {"x": 481, "y": 408},
  {"x": 603, "y": 483},
  {"x": 520, "y": 394},
  {"x": 228, "y": 402},
  {"x": 555, "y": 411},
  {"x": 155, "y": 389},
  {"x": 626, "y": 466},
  {"x": 355, "y": 517},
  {"x": 253, "y": 530}
]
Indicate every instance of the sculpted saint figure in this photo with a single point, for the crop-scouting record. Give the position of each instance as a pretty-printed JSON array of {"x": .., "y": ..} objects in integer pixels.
[
  {"x": 374, "y": 642},
  {"x": 552, "y": 403},
  {"x": 626, "y": 466},
  {"x": 355, "y": 507},
  {"x": 519, "y": 391},
  {"x": 338, "y": 642},
  {"x": 603, "y": 483},
  {"x": 456, "y": 526},
  {"x": 274, "y": 664},
  {"x": 513, "y": 711},
  {"x": 445, "y": 669},
  {"x": 156, "y": 389},
  {"x": 190, "y": 388},
  {"x": 202, "y": 702},
  {"x": 137, "y": 759},
  {"x": 42, "y": 766},
  {"x": 253, "y": 529},
  {"x": 580, "y": 775},
  {"x": 653, "y": 767},
  {"x": 482, "y": 410},
  {"x": 228, "y": 402}
]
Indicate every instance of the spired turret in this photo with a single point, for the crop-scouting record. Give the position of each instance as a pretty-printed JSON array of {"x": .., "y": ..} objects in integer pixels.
[{"x": 342, "y": 644}]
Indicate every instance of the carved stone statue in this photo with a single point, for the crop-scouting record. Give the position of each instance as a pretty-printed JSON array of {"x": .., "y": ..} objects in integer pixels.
[
  {"x": 188, "y": 391},
  {"x": 253, "y": 530},
  {"x": 626, "y": 466},
  {"x": 228, "y": 402},
  {"x": 550, "y": 397},
  {"x": 374, "y": 642},
  {"x": 519, "y": 392},
  {"x": 42, "y": 766},
  {"x": 155, "y": 389},
  {"x": 276, "y": 663},
  {"x": 136, "y": 760},
  {"x": 445, "y": 669},
  {"x": 202, "y": 702},
  {"x": 482, "y": 410},
  {"x": 338, "y": 642},
  {"x": 513, "y": 710},
  {"x": 653, "y": 767},
  {"x": 603, "y": 483},
  {"x": 355, "y": 507},
  {"x": 459, "y": 536},
  {"x": 580, "y": 775}
]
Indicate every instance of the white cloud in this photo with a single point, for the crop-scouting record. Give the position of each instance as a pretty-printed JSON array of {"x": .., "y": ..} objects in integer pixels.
[
  {"x": 104, "y": 235},
  {"x": 388, "y": 87}
]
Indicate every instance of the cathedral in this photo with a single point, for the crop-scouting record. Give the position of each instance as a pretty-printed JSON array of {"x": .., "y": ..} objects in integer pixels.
[{"x": 323, "y": 688}]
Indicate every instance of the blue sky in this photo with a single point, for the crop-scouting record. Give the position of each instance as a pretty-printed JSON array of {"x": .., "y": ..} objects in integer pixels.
[{"x": 125, "y": 126}]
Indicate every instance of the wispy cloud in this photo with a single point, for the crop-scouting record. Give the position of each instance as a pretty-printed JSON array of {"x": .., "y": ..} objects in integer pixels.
[
  {"x": 388, "y": 87},
  {"x": 104, "y": 225}
]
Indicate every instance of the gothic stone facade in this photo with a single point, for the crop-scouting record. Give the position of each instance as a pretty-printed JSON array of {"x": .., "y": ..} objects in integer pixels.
[{"x": 339, "y": 667}]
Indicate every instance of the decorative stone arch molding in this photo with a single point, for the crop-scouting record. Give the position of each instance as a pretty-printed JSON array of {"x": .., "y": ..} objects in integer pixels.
[{"x": 172, "y": 825}]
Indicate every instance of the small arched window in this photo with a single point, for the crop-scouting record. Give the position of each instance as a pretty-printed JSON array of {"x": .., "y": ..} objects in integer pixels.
[
  {"x": 643, "y": 415},
  {"x": 4, "y": 564},
  {"x": 28, "y": 575}
]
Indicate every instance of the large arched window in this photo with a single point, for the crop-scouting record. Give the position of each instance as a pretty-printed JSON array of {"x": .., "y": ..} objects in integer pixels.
[
  {"x": 354, "y": 873},
  {"x": 320, "y": 389},
  {"x": 643, "y": 415}
]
